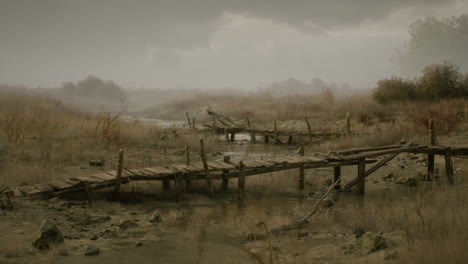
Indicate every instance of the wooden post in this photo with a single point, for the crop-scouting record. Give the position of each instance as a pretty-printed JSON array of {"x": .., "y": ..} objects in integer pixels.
[
  {"x": 361, "y": 176},
  {"x": 348, "y": 124},
  {"x": 266, "y": 139},
  {"x": 213, "y": 129},
  {"x": 301, "y": 170},
  {"x": 205, "y": 166},
  {"x": 119, "y": 174},
  {"x": 225, "y": 182},
  {"x": 275, "y": 134},
  {"x": 337, "y": 177},
  {"x": 430, "y": 157},
  {"x": 253, "y": 140},
  {"x": 166, "y": 185},
  {"x": 180, "y": 189},
  {"x": 187, "y": 162},
  {"x": 188, "y": 120},
  {"x": 233, "y": 135},
  {"x": 226, "y": 135},
  {"x": 290, "y": 139},
  {"x": 449, "y": 165},
  {"x": 309, "y": 130},
  {"x": 193, "y": 125},
  {"x": 241, "y": 181}
]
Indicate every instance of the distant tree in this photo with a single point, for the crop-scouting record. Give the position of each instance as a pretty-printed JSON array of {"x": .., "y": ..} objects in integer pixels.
[
  {"x": 440, "y": 81},
  {"x": 434, "y": 41},
  {"x": 95, "y": 87},
  {"x": 395, "y": 89}
]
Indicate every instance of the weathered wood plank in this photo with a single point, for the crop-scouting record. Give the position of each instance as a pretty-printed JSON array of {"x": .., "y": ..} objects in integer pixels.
[
  {"x": 29, "y": 190},
  {"x": 160, "y": 171},
  {"x": 61, "y": 185},
  {"x": 218, "y": 165},
  {"x": 257, "y": 164},
  {"x": 44, "y": 187},
  {"x": 103, "y": 176},
  {"x": 86, "y": 179}
]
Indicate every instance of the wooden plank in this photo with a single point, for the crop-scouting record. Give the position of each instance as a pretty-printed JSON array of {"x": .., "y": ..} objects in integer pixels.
[
  {"x": 381, "y": 152},
  {"x": 86, "y": 179},
  {"x": 103, "y": 176},
  {"x": 125, "y": 173},
  {"x": 44, "y": 187},
  {"x": 304, "y": 159},
  {"x": 249, "y": 164},
  {"x": 29, "y": 190},
  {"x": 359, "y": 150},
  {"x": 197, "y": 167},
  {"x": 160, "y": 171},
  {"x": 218, "y": 165},
  {"x": 61, "y": 185}
]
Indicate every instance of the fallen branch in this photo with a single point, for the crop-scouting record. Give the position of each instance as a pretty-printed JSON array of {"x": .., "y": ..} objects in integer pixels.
[{"x": 296, "y": 224}]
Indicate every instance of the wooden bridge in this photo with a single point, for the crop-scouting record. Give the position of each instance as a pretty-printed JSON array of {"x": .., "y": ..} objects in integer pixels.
[
  {"x": 201, "y": 169},
  {"x": 223, "y": 125}
]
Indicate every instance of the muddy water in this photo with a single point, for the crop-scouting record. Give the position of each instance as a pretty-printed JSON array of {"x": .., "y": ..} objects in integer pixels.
[{"x": 211, "y": 229}]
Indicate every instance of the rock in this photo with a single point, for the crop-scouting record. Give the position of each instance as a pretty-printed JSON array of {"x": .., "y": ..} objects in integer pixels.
[
  {"x": 6, "y": 204},
  {"x": 92, "y": 251},
  {"x": 408, "y": 181},
  {"x": 96, "y": 162},
  {"x": 126, "y": 224},
  {"x": 358, "y": 232},
  {"x": 49, "y": 235},
  {"x": 156, "y": 217},
  {"x": 372, "y": 242},
  {"x": 389, "y": 177},
  {"x": 327, "y": 202},
  {"x": 139, "y": 244}
]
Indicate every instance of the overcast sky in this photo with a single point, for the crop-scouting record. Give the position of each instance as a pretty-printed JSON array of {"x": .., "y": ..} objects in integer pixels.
[{"x": 207, "y": 43}]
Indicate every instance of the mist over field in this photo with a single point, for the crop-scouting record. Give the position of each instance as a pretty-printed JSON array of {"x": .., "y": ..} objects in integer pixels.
[{"x": 233, "y": 131}]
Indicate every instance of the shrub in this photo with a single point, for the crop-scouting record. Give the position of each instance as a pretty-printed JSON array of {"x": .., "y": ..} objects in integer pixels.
[
  {"x": 441, "y": 81},
  {"x": 394, "y": 89}
]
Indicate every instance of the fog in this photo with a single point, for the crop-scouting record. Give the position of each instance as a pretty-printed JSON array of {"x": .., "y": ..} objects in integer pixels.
[{"x": 207, "y": 43}]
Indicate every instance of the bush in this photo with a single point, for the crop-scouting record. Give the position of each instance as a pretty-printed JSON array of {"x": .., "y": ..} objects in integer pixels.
[
  {"x": 94, "y": 87},
  {"x": 394, "y": 89},
  {"x": 438, "y": 82},
  {"x": 441, "y": 81}
]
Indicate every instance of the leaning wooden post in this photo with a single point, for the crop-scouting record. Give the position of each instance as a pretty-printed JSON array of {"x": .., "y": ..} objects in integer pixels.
[
  {"x": 205, "y": 166},
  {"x": 430, "y": 157},
  {"x": 337, "y": 177},
  {"x": 225, "y": 182},
  {"x": 348, "y": 124},
  {"x": 275, "y": 134},
  {"x": 188, "y": 120},
  {"x": 449, "y": 165},
  {"x": 213, "y": 129},
  {"x": 193, "y": 125},
  {"x": 309, "y": 130},
  {"x": 118, "y": 176},
  {"x": 361, "y": 176},
  {"x": 301, "y": 170},
  {"x": 187, "y": 162},
  {"x": 241, "y": 181},
  {"x": 226, "y": 135},
  {"x": 252, "y": 132}
]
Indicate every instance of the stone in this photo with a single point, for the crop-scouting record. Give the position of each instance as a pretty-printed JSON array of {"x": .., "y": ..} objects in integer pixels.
[
  {"x": 408, "y": 181},
  {"x": 389, "y": 177},
  {"x": 92, "y": 251},
  {"x": 96, "y": 162},
  {"x": 156, "y": 217},
  {"x": 327, "y": 202},
  {"x": 48, "y": 236},
  {"x": 126, "y": 224},
  {"x": 358, "y": 232},
  {"x": 372, "y": 242}
]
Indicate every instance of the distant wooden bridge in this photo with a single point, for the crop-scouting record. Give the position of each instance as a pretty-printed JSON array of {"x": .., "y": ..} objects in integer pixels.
[
  {"x": 201, "y": 169},
  {"x": 224, "y": 125}
]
